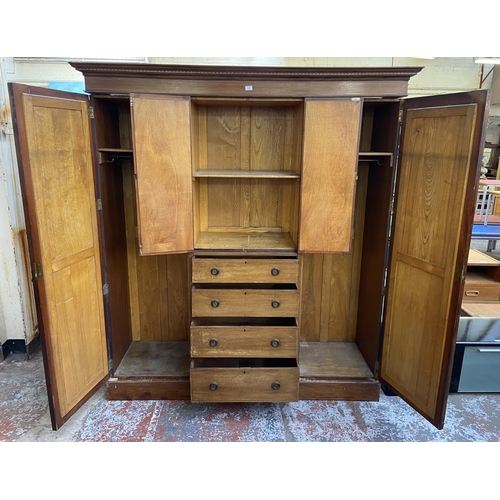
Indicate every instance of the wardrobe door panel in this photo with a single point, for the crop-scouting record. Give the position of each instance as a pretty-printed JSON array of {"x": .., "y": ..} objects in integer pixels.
[
  {"x": 56, "y": 169},
  {"x": 438, "y": 165},
  {"x": 162, "y": 159},
  {"x": 330, "y": 157}
]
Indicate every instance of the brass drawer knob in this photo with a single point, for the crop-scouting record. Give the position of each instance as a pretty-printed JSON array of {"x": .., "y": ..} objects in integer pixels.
[
  {"x": 275, "y": 271},
  {"x": 213, "y": 342},
  {"x": 275, "y": 386},
  {"x": 214, "y": 271},
  {"x": 275, "y": 304},
  {"x": 275, "y": 343},
  {"x": 214, "y": 386},
  {"x": 215, "y": 303}
]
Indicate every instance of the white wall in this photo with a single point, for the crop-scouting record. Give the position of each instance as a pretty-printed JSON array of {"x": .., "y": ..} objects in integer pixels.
[
  {"x": 39, "y": 73},
  {"x": 493, "y": 135},
  {"x": 17, "y": 318},
  {"x": 17, "y": 311},
  {"x": 11, "y": 315}
]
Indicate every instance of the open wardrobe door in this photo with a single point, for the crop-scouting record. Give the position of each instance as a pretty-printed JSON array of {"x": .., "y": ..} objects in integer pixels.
[
  {"x": 438, "y": 167},
  {"x": 55, "y": 157}
]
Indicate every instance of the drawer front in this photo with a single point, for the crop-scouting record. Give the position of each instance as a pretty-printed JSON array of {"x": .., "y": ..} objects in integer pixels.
[
  {"x": 244, "y": 385},
  {"x": 245, "y": 270},
  {"x": 250, "y": 303},
  {"x": 480, "y": 369},
  {"x": 481, "y": 291},
  {"x": 244, "y": 341}
]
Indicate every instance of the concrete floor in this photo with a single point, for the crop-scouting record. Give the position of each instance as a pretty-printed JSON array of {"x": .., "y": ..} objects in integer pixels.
[{"x": 24, "y": 417}]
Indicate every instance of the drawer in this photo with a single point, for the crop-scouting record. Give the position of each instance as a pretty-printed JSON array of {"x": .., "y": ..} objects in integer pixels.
[
  {"x": 278, "y": 339},
  {"x": 480, "y": 287},
  {"x": 481, "y": 292},
  {"x": 248, "y": 381},
  {"x": 251, "y": 302},
  {"x": 245, "y": 270},
  {"x": 480, "y": 369}
]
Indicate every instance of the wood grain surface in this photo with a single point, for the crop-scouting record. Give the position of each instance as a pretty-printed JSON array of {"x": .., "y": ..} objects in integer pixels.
[
  {"x": 244, "y": 341},
  {"x": 244, "y": 384},
  {"x": 435, "y": 162},
  {"x": 244, "y": 302},
  {"x": 162, "y": 156},
  {"x": 59, "y": 158},
  {"x": 330, "y": 154},
  {"x": 245, "y": 270}
]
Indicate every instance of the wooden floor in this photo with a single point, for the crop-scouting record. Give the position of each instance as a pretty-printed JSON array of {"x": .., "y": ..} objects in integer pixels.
[
  {"x": 332, "y": 360},
  {"x": 155, "y": 359},
  {"x": 335, "y": 371},
  {"x": 160, "y": 370},
  {"x": 171, "y": 359}
]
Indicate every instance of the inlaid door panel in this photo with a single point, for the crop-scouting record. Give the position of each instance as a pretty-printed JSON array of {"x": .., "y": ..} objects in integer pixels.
[
  {"x": 435, "y": 202},
  {"x": 330, "y": 161},
  {"x": 54, "y": 148}
]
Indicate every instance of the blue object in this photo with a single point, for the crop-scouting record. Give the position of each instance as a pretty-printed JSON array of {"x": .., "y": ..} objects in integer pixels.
[
  {"x": 482, "y": 232},
  {"x": 77, "y": 87}
]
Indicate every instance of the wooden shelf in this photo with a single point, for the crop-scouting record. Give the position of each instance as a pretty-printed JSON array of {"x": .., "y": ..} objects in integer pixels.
[
  {"x": 375, "y": 156},
  {"x": 159, "y": 359},
  {"x": 244, "y": 174},
  {"x": 335, "y": 371},
  {"x": 490, "y": 309},
  {"x": 238, "y": 241},
  {"x": 114, "y": 155},
  {"x": 477, "y": 258},
  {"x": 332, "y": 360},
  {"x": 116, "y": 151}
]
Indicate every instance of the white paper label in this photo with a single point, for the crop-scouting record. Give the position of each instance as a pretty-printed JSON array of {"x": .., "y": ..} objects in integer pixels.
[{"x": 248, "y": 87}]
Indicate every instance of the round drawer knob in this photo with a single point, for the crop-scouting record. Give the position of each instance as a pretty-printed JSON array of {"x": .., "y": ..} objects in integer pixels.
[
  {"x": 275, "y": 271},
  {"x": 213, "y": 342},
  {"x": 215, "y": 303},
  {"x": 275, "y": 303},
  {"x": 214, "y": 271},
  {"x": 275, "y": 386},
  {"x": 275, "y": 343},
  {"x": 214, "y": 386}
]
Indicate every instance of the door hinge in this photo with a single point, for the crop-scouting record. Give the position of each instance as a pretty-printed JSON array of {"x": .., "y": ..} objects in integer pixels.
[
  {"x": 377, "y": 368},
  {"x": 99, "y": 204},
  {"x": 91, "y": 112},
  {"x": 391, "y": 208},
  {"x": 384, "y": 291},
  {"x": 110, "y": 365},
  {"x": 400, "y": 117},
  {"x": 459, "y": 273},
  {"x": 140, "y": 249},
  {"x": 105, "y": 289},
  {"x": 131, "y": 102},
  {"x": 37, "y": 271}
]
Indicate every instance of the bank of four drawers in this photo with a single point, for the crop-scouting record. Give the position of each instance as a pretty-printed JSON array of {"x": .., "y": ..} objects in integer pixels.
[{"x": 244, "y": 333}]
